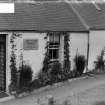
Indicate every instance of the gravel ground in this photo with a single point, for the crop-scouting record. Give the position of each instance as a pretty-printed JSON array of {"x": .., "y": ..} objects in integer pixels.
[
  {"x": 79, "y": 92},
  {"x": 89, "y": 96}
]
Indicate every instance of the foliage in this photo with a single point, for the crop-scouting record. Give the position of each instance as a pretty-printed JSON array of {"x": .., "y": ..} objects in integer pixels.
[
  {"x": 100, "y": 62},
  {"x": 80, "y": 62},
  {"x": 25, "y": 76},
  {"x": 44, "y": 78},
  {"x": 53, "y": 72},
  {"x": 13, "y": 85},
  {"x": 46, "y": 59},
  {"x": 43, "y": 75},
  {"x": 14, "y": 79},
  {"x": 56, "y": 72},
  {"x": 48, "y": 78},
  {"x": 35, "y": 84},
  {"x": 74, "y": 73},
  {"x": 66, "y": 69}
]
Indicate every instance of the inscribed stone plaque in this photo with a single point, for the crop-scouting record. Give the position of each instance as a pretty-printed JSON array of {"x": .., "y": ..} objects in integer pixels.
[{"x": 30, "y": 44}]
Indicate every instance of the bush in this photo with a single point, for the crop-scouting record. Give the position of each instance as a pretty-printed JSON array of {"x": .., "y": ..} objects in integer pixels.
[
  {"x": 43, "y": 78},
  {"x": 35, "y": 84},
  {"x": 25, "y": 76},
  {"x": 79, "y": 63},
  {"x": 74, "y": 74},
  {"x": 56, "y": 72},
  {"x": 100, "y": 103},
  {"x": 51, "y": 76},
  {"x": 99, "y": 65}
]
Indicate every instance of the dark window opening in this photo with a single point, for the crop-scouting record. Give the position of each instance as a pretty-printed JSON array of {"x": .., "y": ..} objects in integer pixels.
[{"x": 54, "y": 43}]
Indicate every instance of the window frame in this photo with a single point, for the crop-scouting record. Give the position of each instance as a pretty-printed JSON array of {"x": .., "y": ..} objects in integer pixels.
[{"x": 54, "y": 46}]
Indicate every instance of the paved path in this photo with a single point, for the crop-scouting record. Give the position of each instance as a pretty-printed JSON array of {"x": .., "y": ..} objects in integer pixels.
[{"x": 80, "y": 91}]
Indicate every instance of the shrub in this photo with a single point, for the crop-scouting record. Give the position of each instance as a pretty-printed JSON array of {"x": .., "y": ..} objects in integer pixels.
[
  {"x": 56, "y": 72},
  {"x": 13, "y": 85},
  {"x": 66, "y": 66},
  {"x": 100, "y": 103},
  {"x": 79, "y": 63},
  {"x": 43, "y": 78},
  {"x": 74, "y": 74},
  {"x": 100, "y": 62},
  {"x": 35, "y": 84},
  {"x": 25, "y": 76}
]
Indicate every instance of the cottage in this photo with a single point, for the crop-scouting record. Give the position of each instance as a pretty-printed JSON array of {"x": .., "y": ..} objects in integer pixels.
[
  {"x": 93, "y": 15},
  {"x": 31, "y": 24}
]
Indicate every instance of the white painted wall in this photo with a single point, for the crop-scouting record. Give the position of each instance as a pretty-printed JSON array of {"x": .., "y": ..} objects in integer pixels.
[
  {"x": 33, "y": 57},
  {"x": 97, "y": 43},
  {"x": 61, "y": 50},
  {"x": 78, "y": 41}
]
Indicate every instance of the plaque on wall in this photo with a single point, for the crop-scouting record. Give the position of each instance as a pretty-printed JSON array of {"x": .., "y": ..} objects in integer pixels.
[{"x": 30, "y": 44}]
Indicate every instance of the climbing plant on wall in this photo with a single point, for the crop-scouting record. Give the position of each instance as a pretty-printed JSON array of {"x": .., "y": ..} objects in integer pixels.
[
  {"x": 13, "y": 68},
  {"x": 46, "y": 59},
  {"x": 43, "y": 75},
  {"x": 66, "y": 53}
]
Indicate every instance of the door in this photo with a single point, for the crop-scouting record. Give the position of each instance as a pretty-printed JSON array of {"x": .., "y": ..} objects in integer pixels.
[{"x": 2, "y": 62}]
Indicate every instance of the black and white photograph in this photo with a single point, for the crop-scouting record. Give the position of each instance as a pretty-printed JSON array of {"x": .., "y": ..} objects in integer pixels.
[{"x": 52, "y": 52}]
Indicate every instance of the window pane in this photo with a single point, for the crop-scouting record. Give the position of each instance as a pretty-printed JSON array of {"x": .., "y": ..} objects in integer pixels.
[
  {"x": 55, "y": 53},
  {"x": 50, "y": 54}
]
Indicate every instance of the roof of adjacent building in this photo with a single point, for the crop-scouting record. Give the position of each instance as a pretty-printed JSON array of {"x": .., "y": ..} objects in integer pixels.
[
  {"x": 93, "y": 14},
  {"x": 42, "y": 17}
]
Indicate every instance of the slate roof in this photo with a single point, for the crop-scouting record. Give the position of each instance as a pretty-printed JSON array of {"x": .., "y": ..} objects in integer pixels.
[
  {"x": 94, "y": 16},
  {"x": 42, "y": 17},
  {"x": 5, "y": 1}
]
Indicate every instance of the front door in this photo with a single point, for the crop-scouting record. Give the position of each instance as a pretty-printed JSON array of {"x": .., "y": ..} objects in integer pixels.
[{"x": 2, "y": 62}]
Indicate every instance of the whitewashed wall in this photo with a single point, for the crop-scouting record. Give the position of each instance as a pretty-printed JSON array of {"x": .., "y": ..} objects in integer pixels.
[
  {"x": 61, "y": 50},
  {"x": 97, "y": 43},
  {"x": 33, "y": 57},
  {"x": 78, "y": 42}
]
